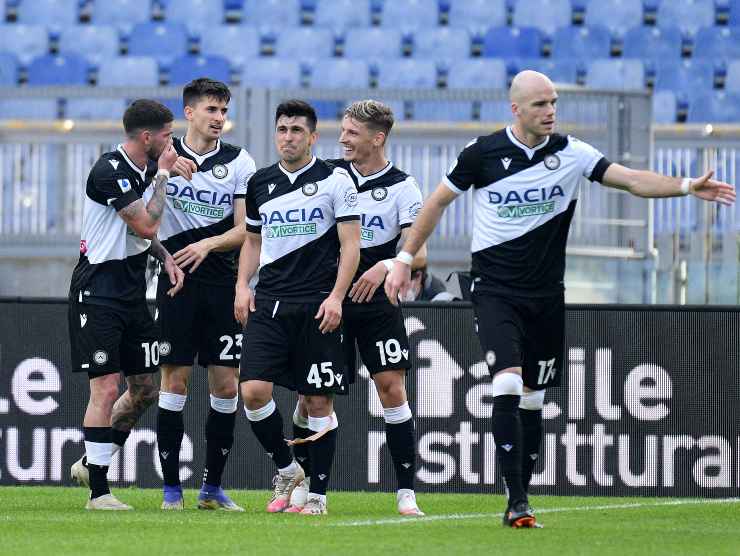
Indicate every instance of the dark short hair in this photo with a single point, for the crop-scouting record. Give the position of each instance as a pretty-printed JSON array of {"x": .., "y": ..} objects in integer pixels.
[
  {"x": 148, "y": 114},
  {"x": 204, "y": 87},
  {"x": 293, "y": 108}
]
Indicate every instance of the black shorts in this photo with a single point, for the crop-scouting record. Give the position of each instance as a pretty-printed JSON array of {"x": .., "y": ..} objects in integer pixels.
[
  {"x": 106, "y": 340},
  {"x": 378, "y": 331},
  {"x": 283, "y": 345},
  {"x": 200, "y": 321},
  {"x": 526, "y": 332}
]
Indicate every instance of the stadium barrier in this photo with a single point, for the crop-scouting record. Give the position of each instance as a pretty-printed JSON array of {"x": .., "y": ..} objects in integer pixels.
[{"x": 648, "y": 406}]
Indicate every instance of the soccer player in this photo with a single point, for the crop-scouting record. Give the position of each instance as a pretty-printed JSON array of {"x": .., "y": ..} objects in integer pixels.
[
  {"x": 111, "y": 329},
  {"x": 389, "y": 200},
  {"x": 525, "y": 180},
  {"x": 202, "y": 228},
  {"x": 303, "y": 231}
]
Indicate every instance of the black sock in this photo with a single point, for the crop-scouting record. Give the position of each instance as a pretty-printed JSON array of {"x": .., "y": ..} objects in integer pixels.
[
  {"x": 507, "y": 432},
  {"x": 119, "y": 437},
  {"x": 269, "y": 432},
  {"x": 301, "y": 451},
  {"x": 219, "y": 440},
  {"x": 98, "y": 473},
  {"x": 322, "y": 456},
  {"x": 532, "y": 430},
  {"x": 170, "y": 428},
  {"x": 400, "y": 440}
]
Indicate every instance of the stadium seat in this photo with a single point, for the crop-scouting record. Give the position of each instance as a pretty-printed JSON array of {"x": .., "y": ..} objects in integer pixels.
[
  {"x": 95, "y": 42},
  {"x": 50, "y": 69},
  {"x": 197, "y": 15},
  {"x": 51, "y": 13},
  {"x": 559, "y": 71},
  {"x": 29, "y": 109},
  {"x": 615, "y": 15},
  {"x": 342, "y": 14},
  {"x": 235, "y": 42},
  {"x": 163, "y": 41},
  {"x": 186, "y": 68},
  {"x": 583, "y": 43},
  {"x": 273, "y": 73},
  {"x": 8, "y": 69},
  {"x": 25, "y": 41},
  {"x": 407, "y": 74},
  {"x": 545, "y": 15},
  {"x": 616, "y": 74},
  {"x": 442, "y": 43},
  {"x": 339, "y": 73},
  {"x": 683, "y": 76},
  {"x": 410, "y": 14},
  {"x": 477, "y": 73},
  {"x": 127, "y": 71},
  {"x": 732, "y": 80},
  {"x": 277, "y": 14},
  {"x": 734, "y": 7},
  {"x": 714, "y": 107},
  {"x": 305, "y": 41},
  {"x": 718, "y": 43},
  {"x": 477, "y": 14},
  {"x": 121, "y": 13},
  {"x": 687, "y": 15},
  {"x": 512, "y": 42},
  {"x": 372, "y": 43},
  {"x": 95, "y": 108},
  {"x": 652, "y": 43},
  {"x": 664, "y": 107}
]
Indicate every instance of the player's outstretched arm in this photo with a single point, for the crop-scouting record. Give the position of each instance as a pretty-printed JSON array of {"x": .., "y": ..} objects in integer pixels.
[
  {"x": 644, "y": 183},
  {"x": 330, "y": 311},
  {"x": 399, "y": 279},
  {"x": 174, "y": 273},
  {"x": 249, "y": 261}
]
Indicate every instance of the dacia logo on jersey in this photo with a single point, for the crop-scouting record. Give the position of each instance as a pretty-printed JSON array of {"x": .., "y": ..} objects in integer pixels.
[
  {"x": 368, "y": 222},
  {"x": 197, "y": 201},
  {"x": 531, "y": 202},
  {"x": 125, "y": 185},
  {"x": 294, "y": 222}
]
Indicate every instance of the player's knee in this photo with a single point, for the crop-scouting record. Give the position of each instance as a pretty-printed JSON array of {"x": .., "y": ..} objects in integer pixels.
[
  {"x": 319, "y": 406},
  {"x": 255, "y": 397},
  {"x": 104, "y": 392},
  {"x": 224, "y": 391},
  {"x": 533, "y": 400}
]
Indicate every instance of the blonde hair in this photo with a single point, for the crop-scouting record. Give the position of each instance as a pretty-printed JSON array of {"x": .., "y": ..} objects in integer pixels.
[{"x": 376, "y": 115}]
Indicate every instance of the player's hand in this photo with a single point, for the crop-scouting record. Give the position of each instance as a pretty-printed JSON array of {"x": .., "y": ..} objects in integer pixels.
[
  {"x": 184, "y": 167},
  {"x": 712, "y": 190},
  {"x": 330, "y": 313},
  {"x": 167, "y": 158},
  {"x": 193, "y": 254},
  {"x": 398, "y": 281},
  {"x": 364, "y": 289},
  {"x": 175, "y": 274},
  {"x": 243, "y": 304}
]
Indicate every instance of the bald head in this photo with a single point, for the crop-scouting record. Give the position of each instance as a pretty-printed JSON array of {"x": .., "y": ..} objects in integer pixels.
[{"x": 529, "y": 83}]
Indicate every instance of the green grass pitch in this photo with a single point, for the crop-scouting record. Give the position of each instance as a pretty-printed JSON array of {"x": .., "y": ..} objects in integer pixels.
[{"x": 50, "y": 521}]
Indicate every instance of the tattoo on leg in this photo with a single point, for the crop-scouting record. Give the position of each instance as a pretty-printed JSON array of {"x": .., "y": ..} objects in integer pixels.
[{"x": 141, "y": 393}]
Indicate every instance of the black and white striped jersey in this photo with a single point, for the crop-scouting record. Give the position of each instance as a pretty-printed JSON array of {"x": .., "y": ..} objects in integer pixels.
[
  {"x": 297, "y": 214},
  {"x": 204, "y": 206},
  {"x": 112, "y": 264},
  {"x": 524, "y": 199},
  {"x": 389, "y": 201}
]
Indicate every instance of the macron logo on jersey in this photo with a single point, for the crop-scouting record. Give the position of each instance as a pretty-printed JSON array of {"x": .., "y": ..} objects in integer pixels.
[
  {"x": 531, "y": 202},
  {"x": 114, "y": 163},
  {"x": 293, "y": 222}
]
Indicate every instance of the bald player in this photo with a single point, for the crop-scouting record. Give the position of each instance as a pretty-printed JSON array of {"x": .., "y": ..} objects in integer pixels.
[{"x": 525, "y": 182}]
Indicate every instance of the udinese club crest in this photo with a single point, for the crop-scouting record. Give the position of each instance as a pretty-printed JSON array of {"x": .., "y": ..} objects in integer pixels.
[
  {"x": 310, "y": 189},
  {"x": 552, "y": 162},
  {"x": 379, "y": 193},
  {"x": 220, "y": 171}
]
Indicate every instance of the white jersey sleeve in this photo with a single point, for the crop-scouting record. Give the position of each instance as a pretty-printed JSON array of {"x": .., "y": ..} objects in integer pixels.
[
  {"x": 346, "y": 205},
  {"x": 589, "y": 158},
  {"x": 409, "y": 202},
  {"x": 245, "y": 169}
]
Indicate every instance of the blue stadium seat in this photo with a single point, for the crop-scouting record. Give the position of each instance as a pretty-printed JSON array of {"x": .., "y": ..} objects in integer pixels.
[
  {"x": 25, "y": 41},
  {"x": 52, "y": 13},
  {"x": 734, "y": 6},
  {"x": 196, "y": 15},
  {"x": 341, "y": 14},
  {"x": 49, "y": 69},
  {"x": 512, "y": 42},
  {"x": 121, "y": 13},
  {"x": 616, "y": 15},
  {"x": 95, "y": 108},
  {"x": 477, "y": 15},
  {"x": 163, "y": 41},
  {"x": 477, "y": 73},
  {"x": 305, "y": 41},
  {"x": 29, "y": 109},
  {"x": 688, "y": 15},
  {"x": 545, "y": 15},
  {"x": 273, "y": 73},
  {"x": 8, "y": 69},
  {"x": 616, "y": 74},
  {"x": 559, "y": 71},
  {"x": 410, "y": 14},
  {"x": 495, "y": 111},
  {"x": 186, "y": 68},
  {"x": 127, "y": 71},
  {"x": 407, "y": 74},
  {"x": 732, "y": 80},
  {"x": 237, "y": 43},
  {"x": 339, "y": 73},
  {"x": 442, "y": 43},
  {"x": 442, "y": 111},
  {"x": 718, "y": 43},
  {"x": 715, "y": 107},
  {"x": 652, "y": 43},
  {"x": 278, "y": 14},
  {"x": 683, "y": 76},
  {"x": 584, "y": 43},
  {"x": 664, "y": 107},
  {"x": 372, "y": 43},
  {"x": 97, "y": 43}
]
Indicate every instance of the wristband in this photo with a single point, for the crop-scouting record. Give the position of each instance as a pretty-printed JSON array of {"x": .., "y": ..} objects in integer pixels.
[
  {"x": 388, "y": 263},
  {"x": 685, "y": 186},
  {"x": 405, "y": 257},
  {"x": 163, "y": 172}
]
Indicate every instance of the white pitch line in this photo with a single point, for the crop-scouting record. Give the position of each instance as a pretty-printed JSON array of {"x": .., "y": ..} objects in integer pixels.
[{"x": 452, "y": 517}]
